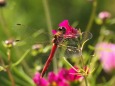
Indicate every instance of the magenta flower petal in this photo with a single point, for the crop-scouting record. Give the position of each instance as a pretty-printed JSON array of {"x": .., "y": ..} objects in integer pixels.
[
  {"x": 75, "y": 75},
  {"x": 70, "y": 74},
  {"x": 40, "y": 81},
  {"x": 54, "y": 32},
  {"x": 61, "y": 81},
  {"x": 65, "y": 24},
  {"x": 64, "y": 73},
  {"x": 51, "y": 77},
  {"x": 70, "y": 31}
]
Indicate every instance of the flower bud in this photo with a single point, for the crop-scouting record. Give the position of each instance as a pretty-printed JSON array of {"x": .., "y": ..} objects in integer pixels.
[
  {"x": 104, "y": 15},
  {"x": 9, "y": 43},
  {"x": 2, "y": 3},
  {"x": 36, "y": 49},
  {"x": 36, "y": 46}
]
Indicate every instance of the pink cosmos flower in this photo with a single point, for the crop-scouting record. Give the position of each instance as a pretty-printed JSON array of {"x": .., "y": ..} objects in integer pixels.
[
  {"x": 57, "y": 80},
  {"x": 70, "y": 31},
  {"x": 106, "y": 53},
  {"x": 40, "y": 81},
  {"x": 104, "y": 15}
]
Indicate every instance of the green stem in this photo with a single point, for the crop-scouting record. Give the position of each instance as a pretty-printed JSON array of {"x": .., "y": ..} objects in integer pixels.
[
  {"x": 86, "y": 83},
  {"x": 101, "y": 37},
  {"x": 83, "y": 65},
  {"x": 90, "y": 23},
  {"x": 48, "y": 18},
  {"x": 20, "y": 60},
  {"x": 8, "y": 53},
  {"x": 8, "y": 69},
  {"x": 10, "y": 76},
  {"x": 70, "y": 64},
  {"x": 49, "y": 25}
]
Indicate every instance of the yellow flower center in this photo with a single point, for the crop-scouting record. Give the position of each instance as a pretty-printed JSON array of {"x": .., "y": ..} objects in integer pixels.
[{"x": 53, "y": 83}]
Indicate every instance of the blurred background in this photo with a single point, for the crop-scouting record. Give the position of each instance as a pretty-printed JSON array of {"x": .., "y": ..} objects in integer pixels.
[{"x": 30, "y": 21}]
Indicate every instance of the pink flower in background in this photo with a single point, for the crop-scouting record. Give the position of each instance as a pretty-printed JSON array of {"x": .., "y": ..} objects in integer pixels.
[
  {"x": 40, "y": 81},
  {"x": 106, "y": 54},
  {"x": 104, "y": 15},
  {"x": 70, "y": 31}
]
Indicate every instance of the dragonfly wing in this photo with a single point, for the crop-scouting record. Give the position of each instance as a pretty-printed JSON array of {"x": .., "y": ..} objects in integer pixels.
[
  {"x": 29, "y": 35},
  {"x": 85, "y": 37},
  {"x": 72, "y": 52}
]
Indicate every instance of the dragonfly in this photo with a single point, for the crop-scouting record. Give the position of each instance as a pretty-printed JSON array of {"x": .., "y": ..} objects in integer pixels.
[
  {"x": 65, "y": 32},
  {"x": 69, "y": 39}
]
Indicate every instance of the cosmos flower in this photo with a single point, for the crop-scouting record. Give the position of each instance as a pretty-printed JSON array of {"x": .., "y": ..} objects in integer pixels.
[
  {"x": 70, "y": 31},
  {"x": 106, "y": 53},
  {"x": 104, "y": 15},
  {"x": 69, "y": 75},
  {"x": 2, "y": 3},
  {"x": 40, "y": 81},
  {"x": 57, "y": 80},
  {"x": 63, "y": 78}
]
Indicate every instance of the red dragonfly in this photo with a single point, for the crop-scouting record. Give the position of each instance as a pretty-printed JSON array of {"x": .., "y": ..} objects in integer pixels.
[
  {"x": 72, "y": 36},
  {"x": 65, "y": 32}
]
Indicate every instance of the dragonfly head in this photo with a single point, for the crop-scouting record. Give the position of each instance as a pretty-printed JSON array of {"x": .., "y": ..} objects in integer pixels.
[{"x": 62, "y": 29}]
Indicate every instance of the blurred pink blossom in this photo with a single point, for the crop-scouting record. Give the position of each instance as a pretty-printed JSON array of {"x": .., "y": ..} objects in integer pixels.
[
  {"x": 106, "y": 54},
  {"x": 104, "y": 15},
  {"x": 70, "y": 31}
]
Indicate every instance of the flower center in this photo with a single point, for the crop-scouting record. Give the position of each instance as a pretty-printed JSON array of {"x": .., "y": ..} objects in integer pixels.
[{"x": 54, "y": 83}]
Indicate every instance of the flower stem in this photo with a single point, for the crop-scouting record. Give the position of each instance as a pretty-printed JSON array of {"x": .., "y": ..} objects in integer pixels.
[
  {"x": 90, "y": 23},
  {"x": 83, "y": 65},
  {"x": 101, "y": 37},
  {"x": 49, "y": 25},
  {"x": 11, "y": 77},
  {"x": 48, "y": 18},
  {"x": 8, "y": 69},
  {"x": 86, "y": 83},
  {"x": 20, "y": 60}
]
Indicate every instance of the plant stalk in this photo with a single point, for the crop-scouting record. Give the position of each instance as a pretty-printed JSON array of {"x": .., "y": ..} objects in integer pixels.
[
  {"x": 83, "y": 65},
  {"x": 92, "y": 17},
  {"x": 8, "y": 69}
]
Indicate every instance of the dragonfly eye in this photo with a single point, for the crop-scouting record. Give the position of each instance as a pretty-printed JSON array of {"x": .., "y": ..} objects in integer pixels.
[{"x": 63, "y": 29}]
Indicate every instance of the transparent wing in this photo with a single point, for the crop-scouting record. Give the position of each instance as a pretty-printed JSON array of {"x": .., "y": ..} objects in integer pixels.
[
  {"x": 69, "y": 51},
  {"x": 72, "y": 52},
  {"x": 73, "y": 46},
  {"x": 84, "y": 38},
  {"x": 30, "y": 35}
]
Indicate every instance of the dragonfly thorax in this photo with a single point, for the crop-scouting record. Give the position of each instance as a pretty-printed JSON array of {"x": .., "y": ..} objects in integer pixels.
[{"x": 59, "y": 36}]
